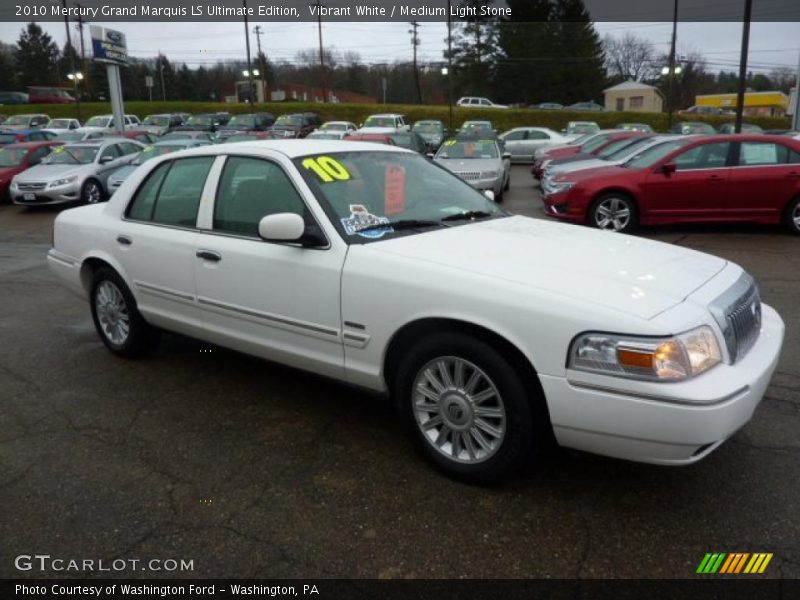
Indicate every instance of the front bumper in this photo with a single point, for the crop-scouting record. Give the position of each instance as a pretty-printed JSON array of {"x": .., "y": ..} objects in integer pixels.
[
  {"x": 57, "y": 195},
  {"x": 663, "y": 423}
]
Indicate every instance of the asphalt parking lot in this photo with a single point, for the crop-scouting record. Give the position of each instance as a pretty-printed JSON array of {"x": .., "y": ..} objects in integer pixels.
[{"x": 251, "y": 469}]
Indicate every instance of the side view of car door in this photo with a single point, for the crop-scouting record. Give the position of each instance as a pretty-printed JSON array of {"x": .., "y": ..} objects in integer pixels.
[
  {"x": 109, "y": 159},
  {"x": 280, "y": 301}
]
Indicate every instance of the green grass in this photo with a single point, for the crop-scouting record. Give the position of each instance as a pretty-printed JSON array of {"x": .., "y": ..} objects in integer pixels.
[{"x": 502, "y": 119}]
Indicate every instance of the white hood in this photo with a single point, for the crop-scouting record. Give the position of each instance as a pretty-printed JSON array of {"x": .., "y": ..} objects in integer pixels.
[{"x": 637, "y": 276}]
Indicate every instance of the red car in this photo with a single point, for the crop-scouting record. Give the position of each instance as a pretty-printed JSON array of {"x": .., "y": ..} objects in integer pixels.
[
  {"x": 15, "y": 158},
  {"x": 751, "y": 178},
  {"x": 378, "y": 138},
  {"x": 144, "y": 137},
  {"x": 590, "y": 146}
]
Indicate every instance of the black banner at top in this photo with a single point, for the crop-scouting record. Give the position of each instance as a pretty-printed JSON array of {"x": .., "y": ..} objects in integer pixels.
[{"x": 117, "y": 11}]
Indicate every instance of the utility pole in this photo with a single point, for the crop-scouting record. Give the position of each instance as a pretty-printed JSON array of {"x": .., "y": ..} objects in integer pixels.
[
  {"x": 161, "y": 69},
  {"x": 73, "y": 74},
  {"x": 323, "y": 74},
  {"x": 415, "y": 42},
  {"x": 247, "y": 45},
  {"x": 748, "y": 7},
  {"x": 671, "y": 74},
  {"x": 796, "y": 113},
  {"x": 257, "y": 30},
  {"x": 86, "y": 79},
  {"x": 449, "y": 67}
]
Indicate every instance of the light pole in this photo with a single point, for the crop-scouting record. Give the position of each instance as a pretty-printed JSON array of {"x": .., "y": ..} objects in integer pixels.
[
  {"x": 449, "y": 68},
  {"x": 76, "y": 77},
  {"x": 247, "y": 45},
  {"x": 671, "y": 67},
  {"x": 748, "y": 7}
]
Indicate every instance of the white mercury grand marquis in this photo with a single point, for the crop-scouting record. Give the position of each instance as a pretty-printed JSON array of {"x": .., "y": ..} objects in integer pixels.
[{"x": 371, "y": 265}]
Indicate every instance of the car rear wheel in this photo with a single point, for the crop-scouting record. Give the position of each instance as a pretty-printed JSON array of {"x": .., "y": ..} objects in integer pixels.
[
  {"x": 614, "y": 212},
  {"x": 116, "y": 318},
  {"x": 793, "y": 216},
  {"x": 468, "y": 408},
  {"x": 92, "y": 192}
]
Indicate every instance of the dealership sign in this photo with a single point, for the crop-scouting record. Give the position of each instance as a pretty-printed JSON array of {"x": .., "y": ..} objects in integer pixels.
[{"x": 109, "y": 45}]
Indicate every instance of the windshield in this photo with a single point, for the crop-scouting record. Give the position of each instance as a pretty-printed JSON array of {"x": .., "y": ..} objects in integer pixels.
[
  {"x": 72, "y": 155},
  {"x": 614, "y": 147},
  {"x": 293, "y": 120},
  {"x": 176, "y": 136},
  {"x": 158, "y": 121},
  {"x": 331, "y": 126},
  {"x": 581, "y": 139},
  {"x": 241, "y": 138},
  {"x": 404, "y": 140},
  {"x": 468, "y": 149},
  {"x": 98, "y": 122},
  {"x": 650, "y": 156},
  {"x": 16, "y": 121},
  {"x": 594, "y": 143},
  {"x": 11, "y": 157},
  {"x": 7, "y": 138},
  {"x": 58, "y": 124},
  {"x": 200, "y": 120},
  {"x": 583, "y": 128},
  {"x": 428, "y": 127},
  {"x": 321, "y": 135},
  {"x": 380, "y": 122},
  {"x": 242, "y": 121},
  {"x": 69, "y": 136},
  {"x": 153, "y": 151},
  {"x": 627, "y": 149},
  {"x": 368, "y": 189}
]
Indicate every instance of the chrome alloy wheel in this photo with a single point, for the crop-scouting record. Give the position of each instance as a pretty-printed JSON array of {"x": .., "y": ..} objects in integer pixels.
[
  {"x": 91, "y": 193},
  {"x": 459, "y": 410},
  {"x": 612, "y": 214},
  {"x": 795, "y": 216},
  {"x": 112, "y": 312}
]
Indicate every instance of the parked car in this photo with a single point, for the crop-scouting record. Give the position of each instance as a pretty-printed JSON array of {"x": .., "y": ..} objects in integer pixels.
[
  {"x": 14, "y": 98},
  {"x": 376, "y": 138},
  {"x": 746, "y": 128},
  {"x": 68, "y": 137},
  {"x": 328, "y": 134},
  {"x": 591, "y": 144},
  {"x": 118, "y": 177},
  {"x": 480, "y": 162},
  {"x": 643, "y": 127},
  {"x": 692, "y": 128},
  {"x": 547, "y": 106},
  {"x": 384, "y": 124},
  {"x": 189, "y": 135},
  {"x": 410, "y": 140},
  {"x": 701, "y": 110},
  {"x": 32, "y": 121},
  {"x": 753, "y": 178},
  {"x": 432, "y": 131},
  {"x": 208, "y": 122},
  {"x": 620, "y": 346},
  {"x": 622, "y": 148},
  {"x": 49, "y": 95},
  {"x": 16, "y": 136},
  {"x": 162, "y": 123},
  {"x": 245, "y": 123},
  {"x": 522, "y": 142},
  {"x": 250, "y": 136},
  {"x": 105, "y": 123},
  {"x": 143, "y": 137},
  {"x": 478, "y": 102},
  {"x": 478, "y": 128},
  {"x": 74, "y": 173},
  {"x": 58, "y": 126},
  {"x": 589, "y": 106},
  {"x": 3, "y": 118},
  {"x": 575, "y": 129},
  {"x": 16, "y": 158},
  {"x": 297, "y": 125},
  {"x": 345, "y": 126}
]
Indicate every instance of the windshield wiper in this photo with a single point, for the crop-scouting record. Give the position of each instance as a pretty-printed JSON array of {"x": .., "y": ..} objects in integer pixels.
[
  {"x": 401, "y": 224},
  {"x": 469, "y": 215}
]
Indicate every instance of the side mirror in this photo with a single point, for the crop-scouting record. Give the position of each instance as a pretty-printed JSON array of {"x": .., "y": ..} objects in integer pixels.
[
  {"x": 489, "y": 194},
  {"x": 282, "y": 227},
  {"x": 669, "y": 168},
  {"x": 106, "y": 159},
  {"x": 506, "y": 155},
  {"x": 429, "y": 154}
]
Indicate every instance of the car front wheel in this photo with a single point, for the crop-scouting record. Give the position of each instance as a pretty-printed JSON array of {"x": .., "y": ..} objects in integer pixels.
[
  {"x": 116, "y": 318},
  {"x": 793, "y": 216},
  {"x": 613, "y": 212},
  {"x": 91, "y": 192},
  {"x": 468, "y": 408}
]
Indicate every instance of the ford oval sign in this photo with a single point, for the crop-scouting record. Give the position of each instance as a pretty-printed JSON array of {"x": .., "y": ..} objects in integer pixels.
[
  {"x": 109, "y": 45},
  {"x": 114, "y": 36}
]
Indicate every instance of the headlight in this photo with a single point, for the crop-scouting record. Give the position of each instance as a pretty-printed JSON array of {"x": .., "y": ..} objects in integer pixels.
[
  {"x": 491, "y": 174},
  {"x": 663, "y": 359},
  {"x": 64, "y": 181},
  {"x": 555, "y": 187}
]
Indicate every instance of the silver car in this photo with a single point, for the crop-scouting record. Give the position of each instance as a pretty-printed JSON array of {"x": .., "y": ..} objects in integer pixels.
[
  {"x": 479, "y": 162},
  {"x": 75, "y": 172},
  {"x": 522, "y": 142}
]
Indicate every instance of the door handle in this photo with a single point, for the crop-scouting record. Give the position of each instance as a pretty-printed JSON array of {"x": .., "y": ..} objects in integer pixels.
[
  {"x": 209, "y": 255},
  {"x": 124, "y": 240},
  {"x": 715, "y": 178}
]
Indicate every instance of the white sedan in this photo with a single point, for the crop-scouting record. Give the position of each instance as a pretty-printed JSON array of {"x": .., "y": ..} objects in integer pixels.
[{"x": 371, "y": 265}]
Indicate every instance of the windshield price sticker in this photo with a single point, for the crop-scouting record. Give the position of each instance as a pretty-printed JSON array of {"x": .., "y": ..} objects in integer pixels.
[
  {"x": 58, "y": 149},
  {"x": 394, "y": 196},
  {"x": 327, "y": 168}
]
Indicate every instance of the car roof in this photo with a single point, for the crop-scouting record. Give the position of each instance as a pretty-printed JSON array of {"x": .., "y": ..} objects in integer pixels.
[
  {"x": 295, "y": 148},
  {"x": 33, "y": 144},
  {"x": 385, "y": 115}
]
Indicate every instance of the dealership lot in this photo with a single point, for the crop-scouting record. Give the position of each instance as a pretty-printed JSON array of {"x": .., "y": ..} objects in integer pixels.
[{"x": 252, "y": 469}]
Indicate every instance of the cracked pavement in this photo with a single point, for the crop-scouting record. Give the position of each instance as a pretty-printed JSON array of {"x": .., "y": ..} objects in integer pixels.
[{"x": 252, "y": 469}]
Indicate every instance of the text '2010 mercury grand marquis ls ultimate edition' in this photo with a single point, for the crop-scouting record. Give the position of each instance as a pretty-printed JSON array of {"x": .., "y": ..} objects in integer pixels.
[{"x": 371, "y": 265}]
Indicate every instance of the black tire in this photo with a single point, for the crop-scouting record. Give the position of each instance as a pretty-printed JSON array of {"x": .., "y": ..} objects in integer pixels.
[
  {"x": 140, "y": 337},
  {"x": 620, "y": 224},
  {"x": 792, "y": 216},
  {"x": 499, "y": 197},
  {"x": 525, "y": 419},
  {"x": 508, "y": 184},
  {"x": 92, "y": 192}
]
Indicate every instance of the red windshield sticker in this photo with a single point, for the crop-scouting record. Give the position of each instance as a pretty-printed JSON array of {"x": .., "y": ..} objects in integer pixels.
[{"x": 394, "y": 199}]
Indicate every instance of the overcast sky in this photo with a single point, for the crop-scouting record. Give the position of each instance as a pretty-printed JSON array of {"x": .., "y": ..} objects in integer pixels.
[{"x": 771, "y": 44}]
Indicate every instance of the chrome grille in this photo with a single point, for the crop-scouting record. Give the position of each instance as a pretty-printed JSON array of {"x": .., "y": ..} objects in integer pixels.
[
  {"x": 738, "y": 313},
  {"x": 31, "y": 187},
  {"x": 469, "y": 175}
]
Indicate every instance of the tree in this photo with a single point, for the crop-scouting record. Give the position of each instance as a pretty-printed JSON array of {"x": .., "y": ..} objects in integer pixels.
[
  {"x": 783, "y": 78},
  {"x": 36, "y": 57},
  {"x": 629, "y": 57},
  {"x": 584, "y": 77},
  {"x": 8, "y": 71},
  {"x": 692, "y": 81},
  {"x": 475, "y": 52}
]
